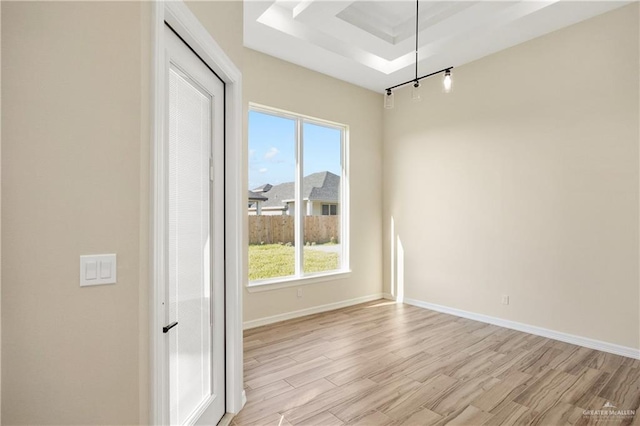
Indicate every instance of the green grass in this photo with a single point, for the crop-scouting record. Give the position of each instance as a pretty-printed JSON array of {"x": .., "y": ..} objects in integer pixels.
[{"x": 275, "y": 260}]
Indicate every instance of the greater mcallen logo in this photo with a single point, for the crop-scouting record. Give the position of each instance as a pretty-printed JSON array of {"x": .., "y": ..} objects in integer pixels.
[{"x": 611, "y": 411}]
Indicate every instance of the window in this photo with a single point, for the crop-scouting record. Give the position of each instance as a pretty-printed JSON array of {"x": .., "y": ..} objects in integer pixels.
[
  {"x": 329, "y": 209},
  {"x": 297, "y": 197}
]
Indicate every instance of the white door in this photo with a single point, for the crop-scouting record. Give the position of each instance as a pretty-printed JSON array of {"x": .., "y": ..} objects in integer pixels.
[{"x": 194, "y": 304}]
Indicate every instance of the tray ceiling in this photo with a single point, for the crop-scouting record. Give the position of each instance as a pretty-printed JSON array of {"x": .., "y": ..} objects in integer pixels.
[{"x": 372, "y": 43}]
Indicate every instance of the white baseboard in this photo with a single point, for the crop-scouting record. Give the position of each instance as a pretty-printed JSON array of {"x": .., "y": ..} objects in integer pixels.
[
  {"x": 309, "y": 311},
  {"x": 226, "y": 419},
  {"x": 388, "y": 296},
  {"x": 531, "y": 329}
]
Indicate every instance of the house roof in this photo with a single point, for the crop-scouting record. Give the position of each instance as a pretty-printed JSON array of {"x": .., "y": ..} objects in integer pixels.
[
  {"x": 263, "y": 188},
  {"x": 322, "y": 186},
  {"x": 256, "y": 197}
]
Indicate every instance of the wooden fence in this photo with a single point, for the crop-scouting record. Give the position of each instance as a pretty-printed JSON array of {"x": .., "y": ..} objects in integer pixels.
[{"x": 279, "y": 229}]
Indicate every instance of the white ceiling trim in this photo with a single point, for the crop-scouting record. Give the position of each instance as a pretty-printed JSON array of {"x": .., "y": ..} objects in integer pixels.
[
  {"x": 487, "y": 14},
  {"x": 280, "y": 19},
  {"x": 372, "y": 43}
]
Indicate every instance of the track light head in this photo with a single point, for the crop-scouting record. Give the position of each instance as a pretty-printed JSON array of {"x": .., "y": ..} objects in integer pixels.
[
  {"x": 447, "y": 81},
  {"x": 388, "y": 99},
  {"x": 415, "y": 92}
]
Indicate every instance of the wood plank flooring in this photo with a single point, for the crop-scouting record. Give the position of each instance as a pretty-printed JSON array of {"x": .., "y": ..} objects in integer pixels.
[{"x": 382, "y": 363}]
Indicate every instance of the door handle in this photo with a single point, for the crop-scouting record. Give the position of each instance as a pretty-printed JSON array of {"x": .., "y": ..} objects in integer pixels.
[{"x": 166, "y": 328}]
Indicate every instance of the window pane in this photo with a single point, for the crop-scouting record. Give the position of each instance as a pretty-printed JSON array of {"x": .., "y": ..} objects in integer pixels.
[
  {"x": 322, "y": 168},
  {"x": 272, "y": 168}
]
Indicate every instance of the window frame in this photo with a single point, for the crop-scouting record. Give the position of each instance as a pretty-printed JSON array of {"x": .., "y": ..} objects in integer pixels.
[
  {"x": 300, "y": 277},
  {"x": 332, "y": 209}
]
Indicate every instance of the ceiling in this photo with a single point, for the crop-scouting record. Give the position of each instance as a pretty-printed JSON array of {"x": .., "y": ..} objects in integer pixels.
[{"x": 372, "y": 43}]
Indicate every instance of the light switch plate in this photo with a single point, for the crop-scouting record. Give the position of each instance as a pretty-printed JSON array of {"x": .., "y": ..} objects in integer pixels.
[{"x": 97, "y": 269}]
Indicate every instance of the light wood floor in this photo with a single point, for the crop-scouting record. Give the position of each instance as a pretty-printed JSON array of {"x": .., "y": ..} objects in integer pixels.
[{"x": 382, "y": 363}]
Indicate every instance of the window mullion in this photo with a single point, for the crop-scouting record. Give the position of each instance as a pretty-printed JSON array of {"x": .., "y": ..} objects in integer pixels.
[
  {"x": 344, "y": 209},
  {"x": 299, "y": 218}
]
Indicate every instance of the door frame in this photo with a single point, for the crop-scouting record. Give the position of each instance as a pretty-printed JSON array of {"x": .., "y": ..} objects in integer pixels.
[{"x": 187, "y": 26}]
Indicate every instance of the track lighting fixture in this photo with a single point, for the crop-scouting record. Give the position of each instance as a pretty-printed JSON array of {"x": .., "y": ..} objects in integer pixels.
[{"x": 415, "y": 93}]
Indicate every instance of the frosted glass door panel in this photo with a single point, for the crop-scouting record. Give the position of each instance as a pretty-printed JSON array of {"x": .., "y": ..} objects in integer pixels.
[{"x": 189, "y": 246}]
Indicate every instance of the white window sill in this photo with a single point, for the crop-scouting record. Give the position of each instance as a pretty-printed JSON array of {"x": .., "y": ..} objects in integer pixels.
[{"x": 278, "y": 283}]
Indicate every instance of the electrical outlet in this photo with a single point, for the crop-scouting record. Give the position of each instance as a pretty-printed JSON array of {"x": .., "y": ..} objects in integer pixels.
[
  {"x": 505, "y": 299},
  {"x": 299, "y": 293}
]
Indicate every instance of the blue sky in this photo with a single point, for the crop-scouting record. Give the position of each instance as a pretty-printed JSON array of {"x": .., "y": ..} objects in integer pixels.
[{"x": 272, "y": 149}]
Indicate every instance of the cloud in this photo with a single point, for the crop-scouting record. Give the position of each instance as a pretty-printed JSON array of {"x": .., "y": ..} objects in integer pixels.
[
  {"x": 273, "y": 151},
  {"x": 251, "y": 152},
  {"x": 263, "y": 170}
]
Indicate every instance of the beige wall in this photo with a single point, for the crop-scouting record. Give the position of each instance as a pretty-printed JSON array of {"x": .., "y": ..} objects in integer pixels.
[
  {"x": 524, "y": 182},
  {"x": 75, "y": 169},
  {"x": 224, "y": 21},
  {"x": 70, "y": 186},
  {"x": 272, "y": 82}
]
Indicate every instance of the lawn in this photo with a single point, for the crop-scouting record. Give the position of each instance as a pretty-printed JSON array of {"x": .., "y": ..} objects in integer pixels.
[{"x": 276, "y": 260}]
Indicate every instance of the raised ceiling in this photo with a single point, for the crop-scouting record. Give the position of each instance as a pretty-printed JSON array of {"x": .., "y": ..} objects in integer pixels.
[{"x": 372, "y": 43}]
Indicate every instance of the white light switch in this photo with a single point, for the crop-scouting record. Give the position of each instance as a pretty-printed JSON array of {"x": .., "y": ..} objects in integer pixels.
[
  {"x": 91, "y": 270},
  {"x": 97, "y": 269},
  {"x": 105, "y": 269}
]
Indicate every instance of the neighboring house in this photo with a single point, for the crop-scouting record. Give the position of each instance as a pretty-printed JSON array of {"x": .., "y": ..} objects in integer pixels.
[
  {"x": 255, "y": 201},
  {"x": 320, "y": 193}
]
